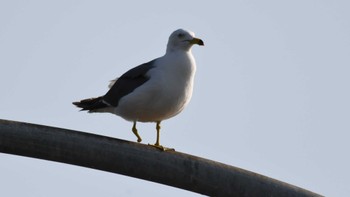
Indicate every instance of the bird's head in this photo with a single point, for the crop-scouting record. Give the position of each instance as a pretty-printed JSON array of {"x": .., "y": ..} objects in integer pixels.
[{"x": 182, "y": 40}]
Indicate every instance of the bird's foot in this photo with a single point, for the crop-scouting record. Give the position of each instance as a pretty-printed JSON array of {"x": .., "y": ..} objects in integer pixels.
[
  {"x": 134, "y": 130},
  {"x": 162, "y": 148}
]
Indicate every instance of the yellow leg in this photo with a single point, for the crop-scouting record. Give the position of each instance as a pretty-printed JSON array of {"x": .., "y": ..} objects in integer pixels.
[
  {"x": 134, "y": 130},
  {"x": 157, "y": 144},
  {"x": 158, "y": 133}
]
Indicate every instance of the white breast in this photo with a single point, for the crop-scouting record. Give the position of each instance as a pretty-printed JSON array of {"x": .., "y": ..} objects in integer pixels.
[{"x": 165, "y": 94}]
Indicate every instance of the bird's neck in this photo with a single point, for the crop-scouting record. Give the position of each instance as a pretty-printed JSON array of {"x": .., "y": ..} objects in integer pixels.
[
  {"x": 182, "y": 62},
  {"x": 172, "y": 51}
]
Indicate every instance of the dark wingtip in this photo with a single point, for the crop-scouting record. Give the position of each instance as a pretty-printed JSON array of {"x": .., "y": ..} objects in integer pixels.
[
  {"x": 77, "y": 103},
  {"x": 90, "y": 104}
]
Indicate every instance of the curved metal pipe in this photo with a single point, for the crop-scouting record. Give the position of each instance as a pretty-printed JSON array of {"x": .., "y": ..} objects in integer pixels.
[{"x": 140, "y": 161}]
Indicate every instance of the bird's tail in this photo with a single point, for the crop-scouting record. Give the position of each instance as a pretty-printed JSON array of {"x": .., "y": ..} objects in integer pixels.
[{"x": 91, "y": 104}]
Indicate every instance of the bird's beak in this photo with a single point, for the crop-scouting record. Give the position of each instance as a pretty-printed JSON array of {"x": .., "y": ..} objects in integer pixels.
[{"x": 197, "y": 41}]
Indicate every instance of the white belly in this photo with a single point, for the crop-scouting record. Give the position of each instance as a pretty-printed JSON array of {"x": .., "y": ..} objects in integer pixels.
[{"x": 163, "y": 96}]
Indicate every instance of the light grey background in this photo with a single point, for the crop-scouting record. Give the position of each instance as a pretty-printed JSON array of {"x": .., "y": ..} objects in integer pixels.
[{"x": 271, "y": 91}]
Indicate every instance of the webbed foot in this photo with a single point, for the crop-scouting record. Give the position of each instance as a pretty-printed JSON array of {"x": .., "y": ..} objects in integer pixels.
[{"x": 162, "y": 148}]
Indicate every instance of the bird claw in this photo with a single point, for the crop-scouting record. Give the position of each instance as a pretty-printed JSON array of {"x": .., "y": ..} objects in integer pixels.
[{"x": 162, "y": 148}]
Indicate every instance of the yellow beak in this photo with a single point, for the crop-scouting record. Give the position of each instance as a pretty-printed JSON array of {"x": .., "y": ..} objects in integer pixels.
[{"x": 197, "y": 41}]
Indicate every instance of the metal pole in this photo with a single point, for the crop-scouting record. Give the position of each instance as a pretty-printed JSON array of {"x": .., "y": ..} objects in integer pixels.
[{"x": 140, "y": 161}]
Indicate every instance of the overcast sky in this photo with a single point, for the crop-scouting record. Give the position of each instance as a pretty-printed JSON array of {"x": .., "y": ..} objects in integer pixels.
[{"x": 271, "y": 91}]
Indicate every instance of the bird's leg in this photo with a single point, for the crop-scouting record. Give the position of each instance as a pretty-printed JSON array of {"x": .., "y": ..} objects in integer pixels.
[
  {"x": 157, "y": 144},
  {"x": 134, "y": 130},
  {"x": 158, "y": 133}
]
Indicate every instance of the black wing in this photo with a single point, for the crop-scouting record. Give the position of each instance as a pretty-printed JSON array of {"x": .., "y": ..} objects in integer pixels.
[{"x": 127, "y": 83}]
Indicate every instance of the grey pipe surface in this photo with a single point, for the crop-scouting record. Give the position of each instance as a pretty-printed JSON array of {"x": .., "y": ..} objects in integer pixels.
[{"x": 140, "y": 161}]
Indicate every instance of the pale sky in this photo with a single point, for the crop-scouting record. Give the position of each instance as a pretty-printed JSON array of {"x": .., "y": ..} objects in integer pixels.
[{"x": 271, "y": 91}]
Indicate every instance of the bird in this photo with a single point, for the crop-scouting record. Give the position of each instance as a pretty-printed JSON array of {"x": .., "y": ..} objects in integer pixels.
[{"x": 153, "y": 91}]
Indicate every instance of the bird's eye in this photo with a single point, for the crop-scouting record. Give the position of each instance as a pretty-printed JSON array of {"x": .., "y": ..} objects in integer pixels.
[{"x": 180, "y": 35}]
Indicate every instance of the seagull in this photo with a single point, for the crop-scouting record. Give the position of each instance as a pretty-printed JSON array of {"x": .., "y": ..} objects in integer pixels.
[{"x": 153, "y": 91}]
